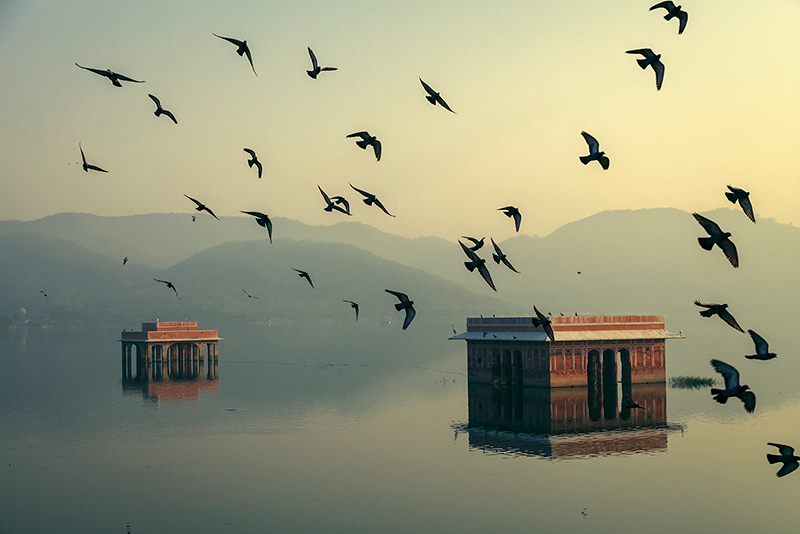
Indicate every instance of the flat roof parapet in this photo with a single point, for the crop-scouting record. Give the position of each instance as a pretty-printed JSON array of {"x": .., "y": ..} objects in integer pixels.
[{"x": 167, "y": 326}]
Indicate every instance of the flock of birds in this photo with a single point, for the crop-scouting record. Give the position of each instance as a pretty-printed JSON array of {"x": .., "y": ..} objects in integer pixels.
[{"x": 716, "y": 236}]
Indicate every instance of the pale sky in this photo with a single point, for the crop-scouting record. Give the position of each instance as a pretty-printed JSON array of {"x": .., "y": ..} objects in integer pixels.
[{"x": 524, "y": 77}]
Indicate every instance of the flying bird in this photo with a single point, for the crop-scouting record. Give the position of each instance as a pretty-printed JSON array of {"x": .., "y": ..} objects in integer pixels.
[
  {"x": 253, "y": 161},
  {"x": 243, "y": 49},
  {"x": 201, "y": 206},
  {"x": 477, "y": 244},
  {"x": 303, "y": 274},
  {"x": 511, "y": 211},
  {"x": 169, "y": 285},
  {"x": 498, "y": 256},
  {"x": 650, "y": 60},
  {"x": 315, "y": 68},
  {"x": 732, "y": 387},
  {"x": 544, "y": 322},
  {"x": 86, "y": 166},
  {"x": 194, "y": 218},
  {"x": 404, "y": 304},
  {"x": 161, "y": 111},
  {"x": 370, "y": 199},
  {"x": 719, "y": 309},
  {"x": 45, "y": 294},
  {"x": 762, "y": 348},
  {"x": 125, "y": 260},
  {"x": 674, "y": 11},
  {"x": 263, "y": 221},
  {"x": 339, "y": 200},
  {"x": 367, "y": 140},
  {"x": 454, "y": 329},
  {"x": 249, "y": 295},
  {"x": 477, "y": 263},
  {"x": 786, "y": 456},
  {"x": 113, "y": 76},
  {"x": 629, "y": 403},
  {"x": 717, "y": 237},
  {"x": 594, "y": 152},
  {"x": 330, "y": 205},
  {"x": 435, "y": 98},
  {"x": 743, "y": 197},
  {"x": 352, "y": 304}
]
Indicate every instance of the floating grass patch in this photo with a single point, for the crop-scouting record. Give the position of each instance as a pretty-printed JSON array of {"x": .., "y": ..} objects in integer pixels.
[{"x": 691, "y": 382}]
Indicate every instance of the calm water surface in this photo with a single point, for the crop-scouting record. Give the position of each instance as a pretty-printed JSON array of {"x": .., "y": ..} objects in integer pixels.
[{"x": 363, "y": 428}]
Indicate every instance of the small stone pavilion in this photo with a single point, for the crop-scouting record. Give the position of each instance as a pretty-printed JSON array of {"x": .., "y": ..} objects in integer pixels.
[{"x": 588, "y": 350}]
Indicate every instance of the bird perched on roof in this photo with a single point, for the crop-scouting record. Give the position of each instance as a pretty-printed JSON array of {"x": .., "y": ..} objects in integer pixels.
[
  {"x": 786, "y": 456},
  {"x": 303, "y": 274},
  {"x": 650, "y": 59},
  {"x": 86, "y": 166},
  {"x": 201, "y": 206},
  {"x": 368, "y": 140},
  {"x": 732, "y": 387},
  {"x": 249, "y": 295},
  {"x": 160, "y": 110},
  {"x": 404, "y": 304},
  {"x": 315, "y": 68},
  {"x": 115, "y": 77},
  {"x": 762, "y": 348},
  {"x": 433, "y": 97},
  {"x": 476, "y": 244},
  {"x": 125, "y": 260},
  {"x": 253, "y": 161},
  {"x": 721, "y": 311},
  {"x": 544, "y": 322},
  {"x": 242, "y": 49},
  {"x": 743, "y": 197},
  {"x": 329, "y": 204},
  {"x": 674, "y": 11},
  {"x": 511, "y": 211},
  {"x": 354, "y": 306},
  {"x": 370, "y": 199},
  {"x": 263, "y": 221},
  {"x": 717, "y": 237},
  {"x": 498, "y": 257},
  {"x": 169, "y": 285},
  {"x": 477, "y": 263},
  {"x": 594, "y": 152}
]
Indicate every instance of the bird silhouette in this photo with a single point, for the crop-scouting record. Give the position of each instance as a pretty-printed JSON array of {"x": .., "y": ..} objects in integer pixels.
[
  {"x": 786, "y": 456},
  {"x": 544, "y": 322},
  {"x": 124, "y": 260},
  {"x": 732, "y": 386},
  {"x": 721, "y": 311},
  {"x": 45, "y": 294},
  {"x": 743, "y": 197},
  {"x": 673, "y": 11},
  {"x": 477, "y": 263},
  {"x": 498, "y": 257},
  {"x": 263, "y": 221},
  {"x": 249, "y": 295},
  {"x": 454, "y": 329},
  {"x": 762, "y": 348},
  {"x": 115, "y": 77},
  {"x": 169, "y": 285},
  {"x": 650, "y": 59},
  {"x": 511, "y": 211},
  {"x": 717, "y": 237},
  {"x": 330, "y": 205},
  {"x": 160, "y": 110},
  {"x": 86, "y": 166},
  {"x": 404, "y": 304},
  {"x": 629, "y": 403},
  {"x": 368, "y": 140},
  {"x": 303, "y": 274},
  {"x": 370, "y": 199},
  {"x": 242, "y": 49},
  {"x": 476, "y": 244},
  {"x": 194, "y": 218},
  {"x": 352, "y": 304},
  {"x": 315, "y": 68},
  {"x": 594, "y": 152},
  {"x": 253, "y": 161},
  {"x": 433, "y": 97},
  {"x": 201, "y": 206},
  {"x": 341, "y": 201}
]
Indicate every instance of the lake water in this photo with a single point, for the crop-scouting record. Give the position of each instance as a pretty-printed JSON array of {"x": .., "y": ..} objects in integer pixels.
[{"x": 357, "y": 428}]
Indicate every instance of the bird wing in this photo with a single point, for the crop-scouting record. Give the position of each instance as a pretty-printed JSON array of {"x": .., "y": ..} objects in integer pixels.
[
  {"x": 728, "y": 372},
  {"x": 341, "y": 200},
  {"x": 410, "y": 313},
  {"x": 253, "y": 213},
  {"x": 698, "y": 303},
  {"x": 95, "y": 168},
  {"x": 361, "y": 191},
  {"x": 726, "y": 316},
  {"x": 594, "y": 145},
  {"x": 747, "y": 207},
  {"x": 762, "y": 347},
  {"x": 269, "y": 229},
  {"x": 193, "y": 200},
  {"x": 540, "y": 315},
  {"x": 507, "y": 263},
  {"x": 260, "y": 168},
  {"x": 549, "y": 330},
  {"x": 604, "y": 162},
  {"x": 251, "y": 152},
  {"x": 169, "y": 114},
  {"x": 362, "y": 135},
  {"x": 230, "y": 40},
  {"x": 378, "y": 203},
  {"x": 206, "y": 208},
  {"x": 785, "y": 450},
  {"x": 470, "y": 254},
  {"x": 428, "y": 88},
  {"x": 328, "y": 200},
  {"x": 126, "y": 79},
  {"x": 299, "y": 271},
  {"x": 474, "y": 241},
  {"x": 156, "y": 100},
  {"x": 82, "y": 156},
  {"x": 250, "y": 59},
  {"x": 441, "y": 102},
  {"x": 313, "y": 59},
  {"x": 402, "y": 296},
  {"x": 646, "y": 52},
  {"x": 729, "y": 249},
  {"x": 787, "y": 468},
  {"x": 496, "y": 248},
  {"x": 683, "y": 16},
  {"x": 323, "y": 69},
  {"x": 749, "y": 400},
  {"x": 96, "y": 71},
  {"x": 708, "y": 225},
  {"x": 485, "y": 274},
  {"x": 666, "y": 5},
  {"x": 659, "y": 68},
  {"x": 376, "y": 145},
  {"x": 518, "y": 217},
  {"x": 162, "y": 281}
]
